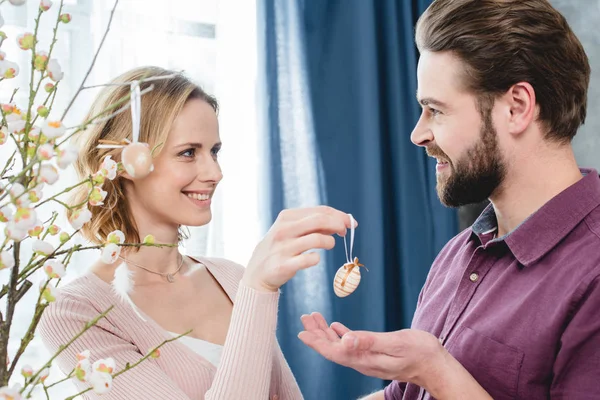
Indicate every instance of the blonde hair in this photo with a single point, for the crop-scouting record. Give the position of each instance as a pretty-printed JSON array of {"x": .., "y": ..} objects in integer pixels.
[{"x": 159, "y": 108}]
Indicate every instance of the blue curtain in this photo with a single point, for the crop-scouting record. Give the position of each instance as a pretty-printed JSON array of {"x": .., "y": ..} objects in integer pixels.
[{"x": 339, "y": 80}]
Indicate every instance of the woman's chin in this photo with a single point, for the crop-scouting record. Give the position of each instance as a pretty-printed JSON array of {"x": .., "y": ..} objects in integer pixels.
[{"x": 199, "y": 221}]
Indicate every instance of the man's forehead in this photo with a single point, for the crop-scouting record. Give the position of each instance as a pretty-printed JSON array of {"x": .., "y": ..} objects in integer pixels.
[{"x": 439, "y": 76}]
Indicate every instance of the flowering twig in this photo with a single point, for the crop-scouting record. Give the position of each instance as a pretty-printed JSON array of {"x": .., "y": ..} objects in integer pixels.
[
  {"x": 62, "y": 348},
  {"x": 131, "y": 366},
  {"x": 10, "y": 309}
]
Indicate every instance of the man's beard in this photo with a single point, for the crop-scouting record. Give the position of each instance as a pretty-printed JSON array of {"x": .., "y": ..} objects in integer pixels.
[{"x": 476, "y": 176}]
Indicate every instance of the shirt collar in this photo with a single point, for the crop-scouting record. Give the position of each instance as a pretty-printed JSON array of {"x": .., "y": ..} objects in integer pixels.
[{"x": 542, "y": 230}]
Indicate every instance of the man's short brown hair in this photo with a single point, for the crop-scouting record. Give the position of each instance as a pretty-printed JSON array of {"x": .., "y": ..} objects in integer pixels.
[{"x": 504, "y": 42}]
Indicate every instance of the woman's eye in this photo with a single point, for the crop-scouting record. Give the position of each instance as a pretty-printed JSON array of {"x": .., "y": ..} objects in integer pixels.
[{"x": 188, "y": 153}]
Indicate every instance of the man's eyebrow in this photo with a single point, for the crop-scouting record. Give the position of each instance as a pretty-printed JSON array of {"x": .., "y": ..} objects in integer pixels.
[{"x": 426, "y": 101}]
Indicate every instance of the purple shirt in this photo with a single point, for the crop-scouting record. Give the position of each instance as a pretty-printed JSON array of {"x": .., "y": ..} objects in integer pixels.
[{"x": 522, "y": 312}]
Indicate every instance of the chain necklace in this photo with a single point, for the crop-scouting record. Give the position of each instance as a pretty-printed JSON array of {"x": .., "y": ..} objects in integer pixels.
[{"x": 169, "y": 276}]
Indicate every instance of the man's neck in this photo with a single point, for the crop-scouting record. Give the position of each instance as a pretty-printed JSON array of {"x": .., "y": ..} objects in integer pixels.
[{"x": 530, "y": 183}]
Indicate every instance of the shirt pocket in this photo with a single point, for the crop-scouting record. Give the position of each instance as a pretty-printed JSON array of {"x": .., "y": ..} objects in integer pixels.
[{"x": 494, "y": 365}]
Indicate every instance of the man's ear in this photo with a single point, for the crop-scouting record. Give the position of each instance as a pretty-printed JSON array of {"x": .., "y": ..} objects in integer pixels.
[{"x": 522, "y": 107}]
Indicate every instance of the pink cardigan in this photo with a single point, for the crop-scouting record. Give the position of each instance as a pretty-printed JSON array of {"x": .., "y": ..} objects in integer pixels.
[{"x": 252, "y": 365}]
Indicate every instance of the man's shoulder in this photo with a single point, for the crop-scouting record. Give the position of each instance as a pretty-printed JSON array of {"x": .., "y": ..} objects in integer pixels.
[{"x": 457, "y": 242}]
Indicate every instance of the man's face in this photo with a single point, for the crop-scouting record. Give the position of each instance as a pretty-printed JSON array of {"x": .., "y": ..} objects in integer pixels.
[{"x": 457, "y": 131}]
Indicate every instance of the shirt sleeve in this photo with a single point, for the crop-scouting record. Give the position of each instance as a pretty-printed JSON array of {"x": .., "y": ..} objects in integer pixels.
[
  {"x": 285, "y": 383},
  {"x": 578, "y": 360},
  {"x": 247, "y": 359},
  {"x": 394, "y": 391}
]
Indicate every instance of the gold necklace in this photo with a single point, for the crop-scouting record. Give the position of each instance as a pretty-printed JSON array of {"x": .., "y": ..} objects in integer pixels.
[{"x": 169, "y": 276}]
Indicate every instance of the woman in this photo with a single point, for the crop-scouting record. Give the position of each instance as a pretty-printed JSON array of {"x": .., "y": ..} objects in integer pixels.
[{"x": 232, "y": 352}]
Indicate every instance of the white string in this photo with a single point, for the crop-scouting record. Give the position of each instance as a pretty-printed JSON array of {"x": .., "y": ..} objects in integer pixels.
[
  {"x": 349, "y": 259},
  {"x": 136, "y": 101}
]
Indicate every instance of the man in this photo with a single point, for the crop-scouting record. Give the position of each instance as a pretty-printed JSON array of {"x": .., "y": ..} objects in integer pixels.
[{"x": 511, "y": 306}]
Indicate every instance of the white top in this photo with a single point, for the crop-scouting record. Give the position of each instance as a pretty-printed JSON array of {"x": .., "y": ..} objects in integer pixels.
[{"x": 208, "y": 350}]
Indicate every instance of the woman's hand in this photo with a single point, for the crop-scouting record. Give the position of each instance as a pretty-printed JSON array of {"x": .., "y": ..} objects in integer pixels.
[{"x": 284, "y": 249}]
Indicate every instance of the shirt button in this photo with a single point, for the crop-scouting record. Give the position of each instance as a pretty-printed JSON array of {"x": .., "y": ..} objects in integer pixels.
[
  {"x": 442, "y": 339},
  {"x": 474, "y": 277}
]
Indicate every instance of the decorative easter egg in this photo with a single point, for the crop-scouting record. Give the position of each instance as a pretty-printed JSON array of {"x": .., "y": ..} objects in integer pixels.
[
  {"x": 347, "y": 279},
  {"x": 137, "y": 159}
]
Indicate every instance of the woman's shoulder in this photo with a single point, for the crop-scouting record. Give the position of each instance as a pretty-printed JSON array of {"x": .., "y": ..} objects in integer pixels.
[
  {"x": 225, "y": 271},
  {"x": 83, "y": 287},
  {"x": 76, "y": 297}
]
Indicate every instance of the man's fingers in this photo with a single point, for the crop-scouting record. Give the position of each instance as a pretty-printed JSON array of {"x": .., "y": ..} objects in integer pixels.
[
  {"x": 330, "y": 350},
  {"x": 339, "y": 328},
  {"x": 320, "y": 320},
  {"x": 331, "y": 334},
  {"x": 369, "y": 341},
  {"x": 309, "y": 323}
]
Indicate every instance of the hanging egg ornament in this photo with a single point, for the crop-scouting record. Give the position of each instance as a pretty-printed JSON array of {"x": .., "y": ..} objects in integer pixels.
[
  {"x": 347, "y": 278},
  {"x": 137, "y": 159}
]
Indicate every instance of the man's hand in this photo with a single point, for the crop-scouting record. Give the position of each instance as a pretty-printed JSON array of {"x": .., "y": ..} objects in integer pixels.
[
  {"x": 402, "y": 355},
  {"x": 407, "y": 356}
]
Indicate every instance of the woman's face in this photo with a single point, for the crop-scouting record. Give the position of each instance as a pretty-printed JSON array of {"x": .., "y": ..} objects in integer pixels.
[{"x": 186, "y": 173}]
